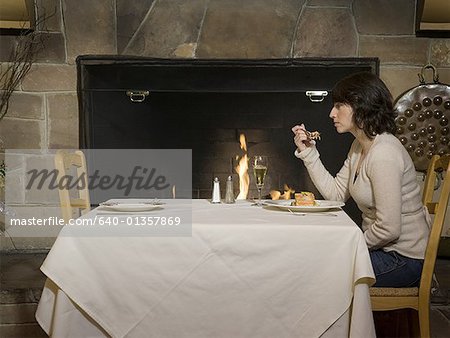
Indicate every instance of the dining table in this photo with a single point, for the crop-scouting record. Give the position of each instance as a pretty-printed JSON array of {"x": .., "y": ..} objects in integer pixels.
[{"x": 240, "y": 271}]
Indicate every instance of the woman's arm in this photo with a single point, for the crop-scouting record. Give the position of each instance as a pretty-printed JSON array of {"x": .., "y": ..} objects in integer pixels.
[{"x": 331, "y": 188}]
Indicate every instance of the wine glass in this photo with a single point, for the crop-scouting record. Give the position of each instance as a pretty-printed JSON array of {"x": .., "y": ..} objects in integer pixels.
[{"x": 259, "y": 164}]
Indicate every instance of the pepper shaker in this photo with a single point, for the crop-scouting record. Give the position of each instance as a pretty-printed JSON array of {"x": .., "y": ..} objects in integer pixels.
[
  {"x": 216, "y": 191},
  {"x": 229, "y": 194}
]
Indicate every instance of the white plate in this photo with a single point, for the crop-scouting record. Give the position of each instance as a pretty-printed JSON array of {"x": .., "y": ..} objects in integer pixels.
[
  {"x": 130, "y": 207},
  {"x": 322, "y": 205}
]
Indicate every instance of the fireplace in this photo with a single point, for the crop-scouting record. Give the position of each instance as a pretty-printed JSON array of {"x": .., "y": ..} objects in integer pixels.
[{"x": 205, "y": 105}]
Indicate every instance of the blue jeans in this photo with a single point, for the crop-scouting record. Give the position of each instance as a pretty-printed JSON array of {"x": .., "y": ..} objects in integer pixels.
[{"x": 394, "y": 270}]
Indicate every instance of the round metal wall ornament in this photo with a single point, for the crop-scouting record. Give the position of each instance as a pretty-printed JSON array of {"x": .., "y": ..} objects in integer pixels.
[{"x": 423, "y": 119}]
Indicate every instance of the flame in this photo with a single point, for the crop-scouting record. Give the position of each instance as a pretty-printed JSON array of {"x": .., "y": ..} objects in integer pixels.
[
  {"x": 276, "y": 195},
  {"x": 242, "y": 170},
  {"x": 288, "y": 191}
]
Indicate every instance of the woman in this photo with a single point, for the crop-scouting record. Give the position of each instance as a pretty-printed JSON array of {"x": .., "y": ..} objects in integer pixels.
[{"x": 380, "y": 176}]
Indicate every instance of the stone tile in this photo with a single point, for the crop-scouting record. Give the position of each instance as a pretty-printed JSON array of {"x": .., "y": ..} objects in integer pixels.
[
  {"x": 89, "y": 27},
  {"x": 62, "y": 121},
  {"x": 446, "y": 312},
  {"x": 219, "y": 165},
  {"x": 43, "y": 78},
  {"x": 51, "y": 9},
  {"x": 21, "y": 270},
  {"x": 399, "y": 79},
  {"x": 444, "y": 75},
  {"x": 22, "y": 331},
  {"x": 439, "y": 324},
  {"x": 130, "y": 14},
  {"x": 14, "y": 188},
  {"x": 249, "y": 29},
  {"x": 25, "y": 105},
  {"x": 36, "y": 193},
  {"x": 442, "y": 271},
  {"x": 5, "y": 72},
  {"x": 14, "y": 161},
  {"x": 203, "y": 181},
  {"x": 406, "y": 77},
  {"x": 5, "y": 242},
  {"x": 47, "y": 47},
  {"x": 254, "y": 135},
  {"x": 7, "y": 42},
  {"x": 385, "y": 16},
  {"x": 158, "y": 38},
  {"x": 440, "y": 53},
  {"x": 185, "y": 50},
  {"x": 54, "y": 48},
  {"x": 221, "y": 135},
  {"x": 333, "y": 3},
  {"x": 21, "y": 134},
  {"x": 220, "y": 148},
  {"x": 17, "y": 313},
  {"x": 395, "y": 50},
  {"x": 325, "y": 32},
  {"x": 32, "y": 223},
  {"x": 33, "y": 243},
  {"x": 17, "y": 295}
]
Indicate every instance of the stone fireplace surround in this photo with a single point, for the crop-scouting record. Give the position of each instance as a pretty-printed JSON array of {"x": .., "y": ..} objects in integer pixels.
[
  {"x": 44, "y": 110},
  {"x": 205, "y": 105}
]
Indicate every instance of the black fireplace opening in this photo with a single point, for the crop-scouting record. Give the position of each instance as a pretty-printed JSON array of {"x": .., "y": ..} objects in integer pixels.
[{"x": 205, "y": 105}]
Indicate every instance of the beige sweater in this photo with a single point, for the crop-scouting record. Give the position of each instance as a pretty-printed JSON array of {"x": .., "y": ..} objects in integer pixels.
[{"x": 386, "y": 191}]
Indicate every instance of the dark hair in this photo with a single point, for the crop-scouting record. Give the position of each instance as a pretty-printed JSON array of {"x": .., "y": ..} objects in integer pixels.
[{"x": 370, "y": 100}]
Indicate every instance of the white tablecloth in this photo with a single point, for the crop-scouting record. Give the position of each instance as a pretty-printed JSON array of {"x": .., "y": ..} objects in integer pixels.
[{"x": 245, "y": 272}]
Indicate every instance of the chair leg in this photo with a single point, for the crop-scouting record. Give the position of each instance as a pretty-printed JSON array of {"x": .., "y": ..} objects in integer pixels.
[{"x": 424, "y": 321}]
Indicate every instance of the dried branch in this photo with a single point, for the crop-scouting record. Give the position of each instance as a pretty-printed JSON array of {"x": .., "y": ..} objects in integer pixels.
[{"x": 23, "y": 55}]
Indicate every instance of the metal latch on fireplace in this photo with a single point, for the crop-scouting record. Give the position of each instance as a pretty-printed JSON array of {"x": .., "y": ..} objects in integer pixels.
[
  {"x": 137, "y": 95},
  {"x": 316, "y": 95}
]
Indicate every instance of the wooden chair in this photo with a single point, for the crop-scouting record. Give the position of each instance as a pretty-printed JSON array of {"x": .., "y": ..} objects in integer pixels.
[
  {"x": 430, "y": 180},
  {"x": 385, "y": 299},
  {"x": 64, "y": 161}
]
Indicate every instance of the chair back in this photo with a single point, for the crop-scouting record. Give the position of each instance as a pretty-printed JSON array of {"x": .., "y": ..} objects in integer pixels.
[
  {"x": 64, "y": 161},
  {"x": 438, "y": 165}
]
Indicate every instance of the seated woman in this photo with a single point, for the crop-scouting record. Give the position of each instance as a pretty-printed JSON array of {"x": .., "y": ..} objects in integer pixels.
[{"x": 378, "y": 174}]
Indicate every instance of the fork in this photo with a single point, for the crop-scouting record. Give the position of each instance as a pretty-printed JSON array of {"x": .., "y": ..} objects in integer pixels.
[
  {"x": 155, "y": 201},
  {"x": 312, "y": 213},
  {"x": 108, "y": 204},
  {"x": 311, "y": 135}
]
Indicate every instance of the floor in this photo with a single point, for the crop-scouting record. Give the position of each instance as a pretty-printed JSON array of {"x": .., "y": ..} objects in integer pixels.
[{"x": 21, "y": 283}]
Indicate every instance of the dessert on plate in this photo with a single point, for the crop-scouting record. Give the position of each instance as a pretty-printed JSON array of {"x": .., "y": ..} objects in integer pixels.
[{"x": 304, "y": 198}]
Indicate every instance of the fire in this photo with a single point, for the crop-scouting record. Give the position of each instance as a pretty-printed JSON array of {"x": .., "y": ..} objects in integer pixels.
[
  {"x": 276, "y": 195},
  {"x": 242, "y": 170}
]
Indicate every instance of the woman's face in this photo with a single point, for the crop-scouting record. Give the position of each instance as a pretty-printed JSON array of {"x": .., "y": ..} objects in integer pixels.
[{"x": 342, "y": 116}]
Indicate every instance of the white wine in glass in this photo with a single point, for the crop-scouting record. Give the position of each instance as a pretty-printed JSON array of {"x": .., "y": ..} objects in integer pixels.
[{"x": 259, "y": 164}]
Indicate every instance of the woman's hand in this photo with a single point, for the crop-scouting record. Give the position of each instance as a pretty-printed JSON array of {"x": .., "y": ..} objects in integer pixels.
[{"x": 300, "y": 139}]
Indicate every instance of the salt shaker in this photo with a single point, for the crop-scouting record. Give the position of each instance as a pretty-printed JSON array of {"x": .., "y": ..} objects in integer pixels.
[
  {"x": 216, "y": 191},
  {"x": 229, "y": 194}
]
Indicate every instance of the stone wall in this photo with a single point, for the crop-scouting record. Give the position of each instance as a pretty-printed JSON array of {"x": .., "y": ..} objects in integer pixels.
[{"x": 43, "y": 111}]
